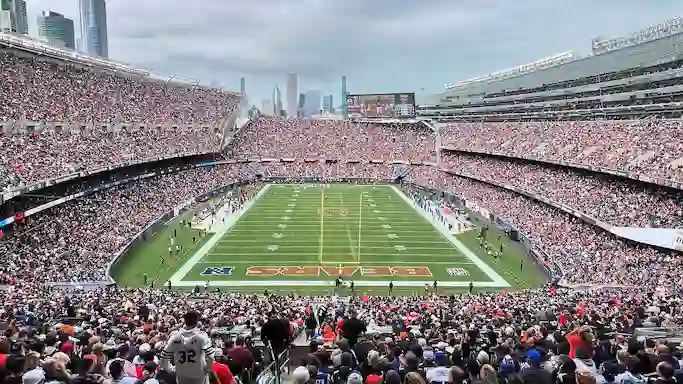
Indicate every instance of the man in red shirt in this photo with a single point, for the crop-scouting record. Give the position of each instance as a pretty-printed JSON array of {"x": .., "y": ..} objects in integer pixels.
[
  {"x": 580, "y": 338},
  {"x": 4, "y": 351},
  {"x": 241, "y": 355},
  {"x": 221, "y": 369}
]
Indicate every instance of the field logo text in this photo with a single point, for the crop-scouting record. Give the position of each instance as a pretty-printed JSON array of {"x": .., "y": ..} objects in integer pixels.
[{"x": 338, "y": 271}]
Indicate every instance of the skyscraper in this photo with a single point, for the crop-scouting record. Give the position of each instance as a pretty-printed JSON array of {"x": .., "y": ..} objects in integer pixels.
[
  {"x": 13, "y": 16},
  {"x": 345, "y": 110},
  {"x": 327, "y": 104},
  {"x": 291, "y": 94},
  {"x": 94, "y": 27},
  {"x": 243, "y": 90},
  {"x": 300, "y": 105},
  {"x": 243, "y": 85},
  {"x": 56, "y": 29},
  {"x": 277, "y": 101},
  {"x": 312, "y": 106},
  {"x": 266, "y": 107}
]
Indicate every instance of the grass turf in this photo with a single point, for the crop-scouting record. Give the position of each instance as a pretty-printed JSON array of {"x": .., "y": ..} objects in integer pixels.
[{"x": 295, "y": 237}]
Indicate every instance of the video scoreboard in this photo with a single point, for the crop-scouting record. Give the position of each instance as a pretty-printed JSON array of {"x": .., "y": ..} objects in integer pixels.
[{"x": 381, "y": 105}]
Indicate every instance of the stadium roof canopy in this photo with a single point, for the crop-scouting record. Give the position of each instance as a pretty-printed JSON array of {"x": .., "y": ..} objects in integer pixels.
[{"x": 650, "y": 46}]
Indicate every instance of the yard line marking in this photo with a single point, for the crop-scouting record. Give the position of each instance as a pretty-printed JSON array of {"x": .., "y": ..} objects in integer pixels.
[
  {"x": 337, "y": 246},
  {"x": 360, "y": 221},
  {"x": 383, "y": 239},
  {"x": 348, "y": 234},
  {"x": 446, "y": 258},
  {"x": 304, "y": 262},
  {"x": 316, "y": 222},
  {"x": 322, "y": 222}
]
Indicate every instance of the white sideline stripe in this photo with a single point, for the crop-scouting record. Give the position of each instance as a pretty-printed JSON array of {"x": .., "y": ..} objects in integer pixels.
[
  {"x": 448, "y": 258},
  {"x": 371, "y": 234},
  {"x": 335, "y": 263},
  {"x": 379, "y": 226},
  {"x": 316, "y": 283},
  {"x": 322, "y": 223},
  {"x": 206, "y": 248},
  {"x": 366, "y": 231},
  {"x": 278, "y": 208},
  {"x": 295, "y": 185},
  {"x": 383, "y": 239},
  {"x": 315, "y": 246},
  {"x": 497, "y": 279},
  {"x": 328, "y": 220}
]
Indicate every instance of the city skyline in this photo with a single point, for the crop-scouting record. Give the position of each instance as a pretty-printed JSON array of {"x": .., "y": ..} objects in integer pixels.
[
  {"x": 460, "y": 39},
  {"x": 56, "y": 27}
]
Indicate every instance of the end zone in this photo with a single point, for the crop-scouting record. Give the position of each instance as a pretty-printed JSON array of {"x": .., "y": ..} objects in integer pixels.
[
  {"x": 180, "y": 274},
  {"x": 493, "y": 275}
]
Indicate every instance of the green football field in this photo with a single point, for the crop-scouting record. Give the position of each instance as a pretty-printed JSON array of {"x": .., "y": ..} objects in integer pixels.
[{"x": 302, "y": 237}]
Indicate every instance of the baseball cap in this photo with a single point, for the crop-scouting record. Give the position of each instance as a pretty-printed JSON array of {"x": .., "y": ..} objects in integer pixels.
[
  {"x": 428, "y": 355},
  {"x": 33, "y": 376},
  {"x": 507, "y": 365},
  {"x": 533, "y": 355},
  {"x": 354, "y": 378},
  {"x": 301, "y": 375}
]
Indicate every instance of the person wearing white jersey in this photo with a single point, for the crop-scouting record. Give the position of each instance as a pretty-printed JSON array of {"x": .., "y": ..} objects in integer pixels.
[{"x": 191, "y": 351}]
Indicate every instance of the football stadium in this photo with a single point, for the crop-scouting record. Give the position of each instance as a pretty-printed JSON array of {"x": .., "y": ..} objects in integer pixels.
[
  {"x": 524, "y": 226},
  {"x": 302, "y": 237}
]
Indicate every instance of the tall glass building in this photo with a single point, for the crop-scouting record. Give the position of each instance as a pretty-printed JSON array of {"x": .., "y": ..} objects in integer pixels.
[
  {"x": 56, "y": 29},
  {"x": 327, "y": 104},
  {"x": 277, "y": 101},
  {"x": 94, "y": 27},
  {"x": 312, "y": 106},
  {"x": 292, "y": 91},
  {"x": 13, "y": 16}
]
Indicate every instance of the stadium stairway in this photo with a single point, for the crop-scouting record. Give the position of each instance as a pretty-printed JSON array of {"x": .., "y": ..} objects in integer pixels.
[
  {"x": 400, "y": 172},
  {"x": 257, "y": 172}
]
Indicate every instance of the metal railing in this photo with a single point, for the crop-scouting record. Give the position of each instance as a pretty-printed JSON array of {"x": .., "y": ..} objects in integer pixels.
[{"x": 272, "y": 373}]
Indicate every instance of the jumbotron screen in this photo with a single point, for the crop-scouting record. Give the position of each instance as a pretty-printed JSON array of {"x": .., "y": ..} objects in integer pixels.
[{"x": 382, "y": 105}]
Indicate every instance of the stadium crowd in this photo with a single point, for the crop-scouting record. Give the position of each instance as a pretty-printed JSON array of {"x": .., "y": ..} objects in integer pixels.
[
  {"x": 587, "y": 254},
  {"x": 33, "y": 157},
  {"x": 282, "y": 138},
  {"x": 116, "y": 335},
  {"x": 549, "y": 335},
  {"x": 46, "y": 91},
  {"x": 39, "y": 91},
  {"x": 650, "y": 147},
  {"x": 476, "y": 338},
  {"x": 75, "y": 241},
  {"x": 614, "y": 201}
]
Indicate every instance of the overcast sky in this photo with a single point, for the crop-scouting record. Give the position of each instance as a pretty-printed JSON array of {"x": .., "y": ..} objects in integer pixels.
[{"x": 380, "y": 45}]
